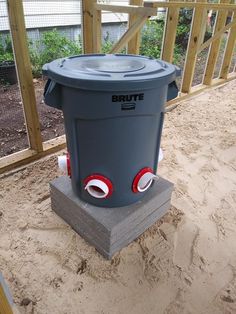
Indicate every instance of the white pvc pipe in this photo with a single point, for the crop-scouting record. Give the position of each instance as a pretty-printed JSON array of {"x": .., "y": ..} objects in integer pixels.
[
  {"x": 62, "y": 163},
  {"x": 145, "y": 181},
  {"x": 97, "y": 188},
  {"x": 160, "y": 157}
]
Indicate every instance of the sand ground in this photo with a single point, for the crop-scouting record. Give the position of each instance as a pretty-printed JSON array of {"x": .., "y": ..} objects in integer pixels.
[{"x": 186, "y": 263}]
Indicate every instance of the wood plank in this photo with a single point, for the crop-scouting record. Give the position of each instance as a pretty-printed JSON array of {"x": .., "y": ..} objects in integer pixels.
[
  {"x": 130, "y": 9},
  {"x": 229, "y": 51},
  {"x": 28, "y": 155},
  {"x": 5, "y": 303},
  {"x": 5, "y": 307},
  {"x": 215, "y": 47},
  {"x": 182, "y": 4},
  {"x": 193, "y": 44},
  {"x": 20, "y": 46},
  {"x": 204, "y": 25},
  {"x": 87, "y": 24},
  {"x": 168, "y": 42},
  {"x": 97, "y": 31},
  {"x": 134, "y": 43},
  {"x": 129, "y": 34}
]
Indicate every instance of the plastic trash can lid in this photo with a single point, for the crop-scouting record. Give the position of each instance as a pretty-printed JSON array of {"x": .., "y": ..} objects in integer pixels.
[{"x": 111, "y": 72}]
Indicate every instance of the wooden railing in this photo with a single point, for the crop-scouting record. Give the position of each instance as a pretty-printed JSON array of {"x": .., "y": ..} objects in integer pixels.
[{"x": 139, "y": 12}]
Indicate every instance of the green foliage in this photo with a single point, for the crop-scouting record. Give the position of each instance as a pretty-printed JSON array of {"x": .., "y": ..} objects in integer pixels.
[
  {"x": 6, "y": 52},
  {"x": 107, "y": 44},
  {"x": 52, "y": 45},
  {"x": 151, "y": 41},
  {"x": 152, "y": 36},
  {"x": 183, "y": 28}
]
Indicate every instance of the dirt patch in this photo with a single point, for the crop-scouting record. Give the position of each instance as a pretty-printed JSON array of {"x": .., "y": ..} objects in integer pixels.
[
  {"x": 185, "y": 263},
  {"x": 13, "y": 135}
]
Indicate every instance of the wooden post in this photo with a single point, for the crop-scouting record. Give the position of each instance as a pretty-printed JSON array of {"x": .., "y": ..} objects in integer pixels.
[
  {"x": 87, "y": 22},
  {"x": 5, "y": 307},
  {"x": 193, "y": 44},
  {"x": 97, "y": 30},
  {"x": 170, "y": 29},
  {"x": 229, "y": 51},
  {"x": 23, "y": 65},
  {"x": 134, "y": 43},
  {"x": 5, "y": 303},
  {"x": 215, "y": 46}
]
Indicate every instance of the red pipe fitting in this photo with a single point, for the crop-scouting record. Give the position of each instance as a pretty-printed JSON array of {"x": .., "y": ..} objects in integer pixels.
[{"x": 143, "y": 180}]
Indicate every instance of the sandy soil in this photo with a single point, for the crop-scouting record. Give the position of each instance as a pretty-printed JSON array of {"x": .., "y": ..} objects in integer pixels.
[{"x": 186, "y": 263}]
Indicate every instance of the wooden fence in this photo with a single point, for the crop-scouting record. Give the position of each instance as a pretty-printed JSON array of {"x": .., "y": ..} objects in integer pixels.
[{"x": 139, "y": 12}]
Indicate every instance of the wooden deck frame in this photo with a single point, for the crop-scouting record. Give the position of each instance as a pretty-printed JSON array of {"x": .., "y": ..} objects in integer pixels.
[{"x": 139, "y": 12}]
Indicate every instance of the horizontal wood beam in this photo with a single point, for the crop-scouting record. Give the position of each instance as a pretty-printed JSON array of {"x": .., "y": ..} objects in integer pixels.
[
  {"x": 181, "y": 4},
  {"x": 28, "y": 155},
  {"x": 130, "y": 9}
]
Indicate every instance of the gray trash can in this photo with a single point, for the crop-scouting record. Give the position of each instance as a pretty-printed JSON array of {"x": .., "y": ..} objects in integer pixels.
[{"x": 113, "y": 106}]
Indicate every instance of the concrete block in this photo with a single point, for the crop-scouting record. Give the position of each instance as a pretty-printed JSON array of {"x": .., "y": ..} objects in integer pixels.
[{"x": 110, "y": 229}]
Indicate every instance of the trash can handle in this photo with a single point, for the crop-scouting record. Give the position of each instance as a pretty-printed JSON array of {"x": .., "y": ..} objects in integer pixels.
[
  {"x": 177, "y": 70},
  {"x": 45, "y": 69},
  {"x": 52, "y": 94},
  {"x": 172, "y": 91}
]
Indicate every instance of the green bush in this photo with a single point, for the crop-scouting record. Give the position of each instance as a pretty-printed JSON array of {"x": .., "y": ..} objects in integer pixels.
[
  {"x": 52, "y": 45},
  {"x": 152, "y": 35},
  {"x": 6, "y": 52},
  {"x": 151, "y": 39},
  {"x": 107, "y": 44}
]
